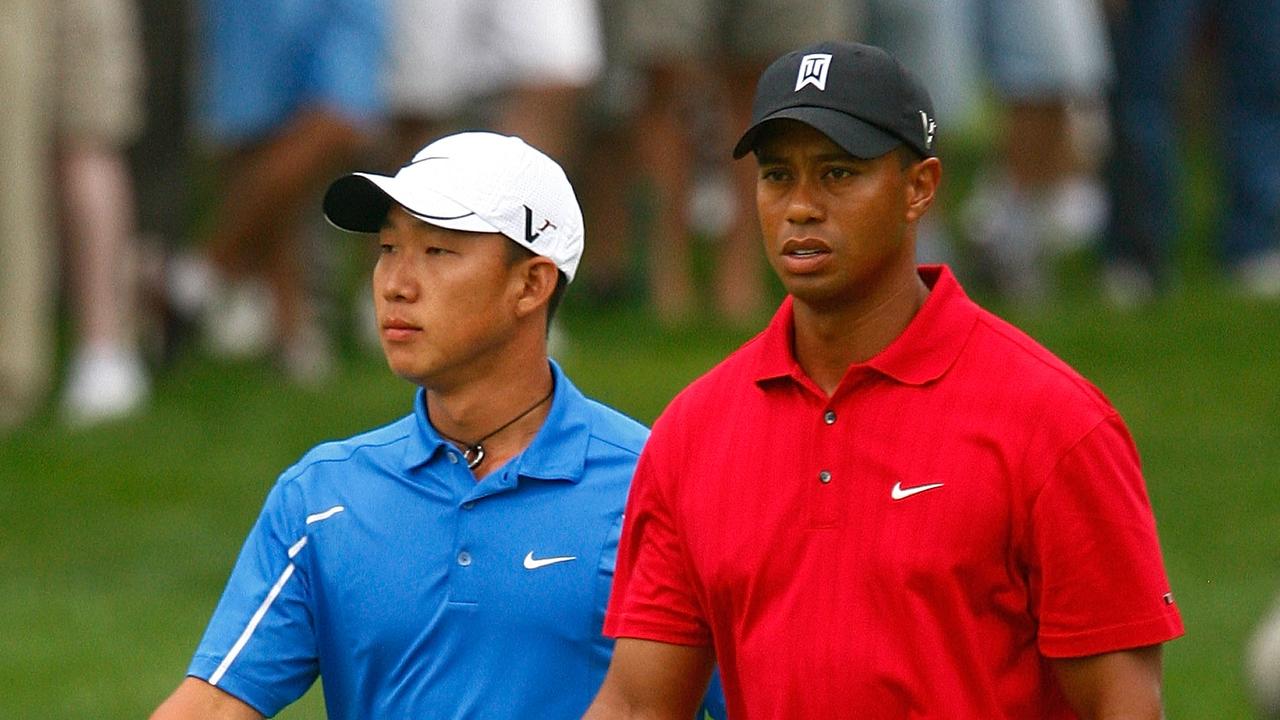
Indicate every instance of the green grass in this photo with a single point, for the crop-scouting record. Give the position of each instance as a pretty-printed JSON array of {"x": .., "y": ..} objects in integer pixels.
[{"x": 116, "y": 541}]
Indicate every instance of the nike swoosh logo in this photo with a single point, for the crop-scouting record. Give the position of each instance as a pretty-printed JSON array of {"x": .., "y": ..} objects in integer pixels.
[
  {"x": 530, "y": 563},
  {"x": 901, "y": 493}
]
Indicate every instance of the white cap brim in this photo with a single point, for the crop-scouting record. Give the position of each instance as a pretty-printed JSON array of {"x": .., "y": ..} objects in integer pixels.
[{"x": 359, "y": 202}]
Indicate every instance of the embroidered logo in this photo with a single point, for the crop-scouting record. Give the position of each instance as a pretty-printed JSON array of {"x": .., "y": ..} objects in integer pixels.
[
  {"x": 532, "y": 563},
  {"x": 529, "y": 233},
  {"x": 813, "y": 71},
  {"x": 900, "y": 493},
  {"x": 929, "y": 127}
]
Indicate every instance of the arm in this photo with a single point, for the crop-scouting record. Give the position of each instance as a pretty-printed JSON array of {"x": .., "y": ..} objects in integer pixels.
[
  {"x": 196, "y": 698},
  {"x": 1122, "y": 685},
  {"x": 652, "y": 681}
]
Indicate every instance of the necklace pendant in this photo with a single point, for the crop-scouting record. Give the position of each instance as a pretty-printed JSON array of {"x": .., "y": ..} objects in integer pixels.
[{"x": 474, "y": 455}]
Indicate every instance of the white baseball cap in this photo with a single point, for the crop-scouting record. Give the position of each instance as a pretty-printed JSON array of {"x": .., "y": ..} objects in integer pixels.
[{"x": 475, "y": 182}]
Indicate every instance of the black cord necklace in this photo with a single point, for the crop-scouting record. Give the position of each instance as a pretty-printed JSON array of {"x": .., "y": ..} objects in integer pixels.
[{"x": 473, "y": 452}]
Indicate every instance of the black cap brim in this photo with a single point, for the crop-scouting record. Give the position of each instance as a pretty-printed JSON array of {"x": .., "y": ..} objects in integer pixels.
[
  {"x": 858, "y": 138},
  {"x": 356, "y": 204}
]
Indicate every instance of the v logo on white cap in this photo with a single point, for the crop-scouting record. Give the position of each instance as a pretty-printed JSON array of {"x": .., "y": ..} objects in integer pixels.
[
  {"x": 813, "y": 71},
  {"x": 529, "y": 233}
]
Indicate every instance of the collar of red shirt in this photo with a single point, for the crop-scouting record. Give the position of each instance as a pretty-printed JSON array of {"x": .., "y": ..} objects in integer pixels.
[{"x": 922, "y": 353}]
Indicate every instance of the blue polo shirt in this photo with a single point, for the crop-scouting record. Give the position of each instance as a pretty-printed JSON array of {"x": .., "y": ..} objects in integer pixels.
[{"x": 380, "y": 564}]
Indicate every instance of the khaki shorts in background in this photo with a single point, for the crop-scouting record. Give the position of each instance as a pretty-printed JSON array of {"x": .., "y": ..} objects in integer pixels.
[
  {"x": 759, "y": 30},
  {"x": 99, "y": 70}
]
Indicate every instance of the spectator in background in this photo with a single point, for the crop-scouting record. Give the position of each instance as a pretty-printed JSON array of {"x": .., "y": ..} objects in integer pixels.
[
  {"x": 515, "y": 66},
  {"x": 1049, "y": 65},
  {"x": 75, "y": 83},
  {"x": 1152, "y": 40},
  {"x": 159, "y": 157},
  {"x": 28, "y": 255},
  {"x": 99, "y": 113},
  {"x": 289, "y": 93},
  {"x": 693, "y": 55}
]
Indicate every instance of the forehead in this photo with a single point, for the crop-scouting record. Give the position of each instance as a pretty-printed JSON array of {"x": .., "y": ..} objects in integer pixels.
[{"x": 783, "y": 139}]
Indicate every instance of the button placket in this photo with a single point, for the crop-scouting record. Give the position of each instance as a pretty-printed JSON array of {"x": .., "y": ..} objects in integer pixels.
[{"x": 825, "y": 492}]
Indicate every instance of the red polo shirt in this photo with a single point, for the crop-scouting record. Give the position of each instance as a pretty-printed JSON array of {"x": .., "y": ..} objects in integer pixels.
[{"x": 964, "y": 506}]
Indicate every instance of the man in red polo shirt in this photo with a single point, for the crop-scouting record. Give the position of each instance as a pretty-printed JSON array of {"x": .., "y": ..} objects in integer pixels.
[{"x": 890, "y": 503}]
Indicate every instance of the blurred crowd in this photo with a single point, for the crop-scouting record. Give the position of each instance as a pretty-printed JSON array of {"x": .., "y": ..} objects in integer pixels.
[{"x": 129, "y": 120}]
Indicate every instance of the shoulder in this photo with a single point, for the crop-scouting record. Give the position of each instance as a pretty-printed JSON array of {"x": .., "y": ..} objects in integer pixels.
[
  {"x": 615, "y": 428},
  {"x": 607, "y": 429},
  {"x": 1021, "y": 366},
  {"x": 371, "y": 448},
  {"x": 1033, "y": 402}
]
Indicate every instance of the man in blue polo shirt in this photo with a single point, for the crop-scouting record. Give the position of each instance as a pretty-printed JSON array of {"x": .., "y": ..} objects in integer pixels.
[{"x": 457, "y": 562}]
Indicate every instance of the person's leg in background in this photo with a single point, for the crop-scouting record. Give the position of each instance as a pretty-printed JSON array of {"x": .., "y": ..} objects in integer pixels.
[
  {"x": 1150, "y": 38},
  {"x": 542, "y": 96},
  {"x": 739, "y": 279},
  {"x": 665, "y": 41},
  {"x": 1250, "y": 47},
  {"x": 1047, "y": 59},
  {"x": 260, "y": 231},
  {"x": 161, "y": 171},
  {"x": 440, "y": 60},
  {"x": 99, "y": 113},
  {"x": 28, "y": 241},
  {"x": 607, "y": 168},
  {"x": 291, "y": 93}
]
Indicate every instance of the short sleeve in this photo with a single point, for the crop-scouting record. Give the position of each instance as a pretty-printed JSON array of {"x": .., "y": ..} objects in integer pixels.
[
  {"x": 654, "y": 596},
  {"x": 260, "y": 643},
  {"x": 1098, "y": 582}
]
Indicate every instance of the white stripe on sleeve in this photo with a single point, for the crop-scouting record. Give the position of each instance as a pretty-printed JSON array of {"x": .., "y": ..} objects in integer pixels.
[{"x": 253, "y": 622}]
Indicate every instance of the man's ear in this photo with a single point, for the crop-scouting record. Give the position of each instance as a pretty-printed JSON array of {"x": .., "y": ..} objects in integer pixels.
[
  {"x": 923, "y": 179},
  {"x": 536, "y": 277}
]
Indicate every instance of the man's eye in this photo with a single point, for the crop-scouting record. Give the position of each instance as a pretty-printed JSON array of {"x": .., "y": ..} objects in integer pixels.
[
  {"x": 839, "y": 173},
  {"x": 386, "y": 248},
  {"x": 773, "y": 175},
  {"x": 437, "y": 251}
]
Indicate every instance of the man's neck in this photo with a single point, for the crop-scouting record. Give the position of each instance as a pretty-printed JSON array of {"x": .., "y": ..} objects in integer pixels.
[
  {"x": 829, "y": 340},
  {"x": 470, "y": 411}
]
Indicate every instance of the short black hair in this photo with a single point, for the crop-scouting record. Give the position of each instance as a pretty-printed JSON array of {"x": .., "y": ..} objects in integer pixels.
[{"x": 519, "y": 253}]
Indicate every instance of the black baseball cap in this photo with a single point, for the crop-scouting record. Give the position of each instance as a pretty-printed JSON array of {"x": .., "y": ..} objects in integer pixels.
[{"x": 858, "y": 95}]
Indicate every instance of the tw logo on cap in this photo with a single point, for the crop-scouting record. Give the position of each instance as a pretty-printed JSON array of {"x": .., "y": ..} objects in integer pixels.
[
  {"x": 813, "y": 71},
  {"x": 930, "y": 127}
]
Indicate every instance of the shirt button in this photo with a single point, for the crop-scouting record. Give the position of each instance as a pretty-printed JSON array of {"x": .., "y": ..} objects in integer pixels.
[
  {"x": 824, "y": 477},
  {"x": 453, "y": 457},
  {"x": 829, "y": 417},
  {"x": 464, "y": 558},
  {"x": 468, "y": 505}
]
